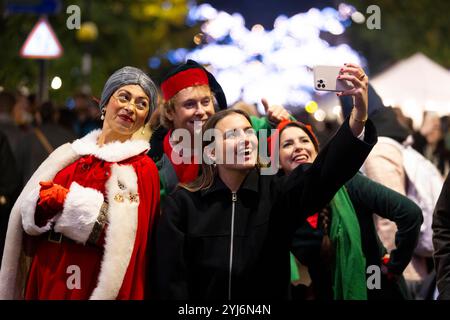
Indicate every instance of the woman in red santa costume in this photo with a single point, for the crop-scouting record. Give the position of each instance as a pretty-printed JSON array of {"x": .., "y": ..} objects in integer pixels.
[{"x": 81, "y": 226}]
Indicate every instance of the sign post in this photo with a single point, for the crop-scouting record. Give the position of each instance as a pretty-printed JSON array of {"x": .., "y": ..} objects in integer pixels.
[{"x": 42, "y": 44}]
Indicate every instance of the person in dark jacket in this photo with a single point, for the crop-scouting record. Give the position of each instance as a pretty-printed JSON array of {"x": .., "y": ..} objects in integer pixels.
[
  {"x": 36, "y": 145},
  {"x": 14, "y": 134},
  {"x": 441, "y": 241},
  {"x": 339, "y": 245},
  {"x": 228, "y": 234},
  {"x": 430, "y": 142}
]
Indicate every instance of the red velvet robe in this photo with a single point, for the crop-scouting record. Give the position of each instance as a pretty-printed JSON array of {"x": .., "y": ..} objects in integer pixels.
[
  {"x": 49, "y": 272},
  {"x": 116, "y": 267}
]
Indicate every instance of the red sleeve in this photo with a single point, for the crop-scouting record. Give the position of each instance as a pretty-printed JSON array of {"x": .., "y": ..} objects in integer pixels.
[{"x": 63, "y": 178}]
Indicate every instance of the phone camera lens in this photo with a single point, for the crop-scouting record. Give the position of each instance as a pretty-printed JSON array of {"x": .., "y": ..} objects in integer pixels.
[
  {"x": 323, "y": 86},
  {"x": 320, "y": 81}
]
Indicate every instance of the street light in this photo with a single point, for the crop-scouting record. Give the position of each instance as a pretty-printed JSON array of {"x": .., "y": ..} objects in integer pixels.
[
  {"x": 56, "y": 83},
  {"x": 88, "y": 32}
]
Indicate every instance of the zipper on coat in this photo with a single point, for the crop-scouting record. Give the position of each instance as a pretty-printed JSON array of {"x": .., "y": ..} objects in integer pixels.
[{"x": 233, "y": 209}]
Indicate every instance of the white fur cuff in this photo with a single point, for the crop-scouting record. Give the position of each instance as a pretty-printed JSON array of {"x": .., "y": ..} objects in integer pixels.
[
  {"x": 81, "y": 209},
  {"x": 28, "y": 210}
]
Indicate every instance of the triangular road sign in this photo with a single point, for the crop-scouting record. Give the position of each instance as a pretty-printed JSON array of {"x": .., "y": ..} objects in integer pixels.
[{"x": 41, "y": 43}]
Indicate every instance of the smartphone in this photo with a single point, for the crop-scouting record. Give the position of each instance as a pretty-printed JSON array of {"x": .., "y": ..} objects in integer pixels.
[{"x": 325, "y": 79}]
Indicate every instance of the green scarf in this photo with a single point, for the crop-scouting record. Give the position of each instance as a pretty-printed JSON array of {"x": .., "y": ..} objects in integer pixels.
[
  {"x": 349, "y": 276},
  {"x": 295, "y": 274}
]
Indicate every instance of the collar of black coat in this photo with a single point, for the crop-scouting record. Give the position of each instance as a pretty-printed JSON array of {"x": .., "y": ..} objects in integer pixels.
[{"x": 250, "y": 183}]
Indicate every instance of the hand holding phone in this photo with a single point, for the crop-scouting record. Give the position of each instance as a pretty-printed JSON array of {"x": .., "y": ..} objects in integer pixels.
[
  {"x": 325, "y": 79},
  {"x": 348, "y": 80}
]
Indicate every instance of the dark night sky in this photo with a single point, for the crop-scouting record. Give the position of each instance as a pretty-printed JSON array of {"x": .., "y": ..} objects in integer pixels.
[{"x": 265, "y": 11}]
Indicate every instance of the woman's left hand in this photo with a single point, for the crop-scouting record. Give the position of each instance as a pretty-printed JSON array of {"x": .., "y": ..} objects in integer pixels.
[
  {"x": 52, "y": 196},
  {"x": 385, "y": 270},
  {"x": 356, "y": 75}
]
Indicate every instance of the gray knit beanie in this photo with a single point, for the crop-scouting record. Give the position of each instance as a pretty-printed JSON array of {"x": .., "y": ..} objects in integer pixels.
[{"x": 130, "y": 75}]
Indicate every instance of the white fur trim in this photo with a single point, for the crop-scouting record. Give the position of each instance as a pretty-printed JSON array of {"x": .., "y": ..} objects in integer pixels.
[
  {"x": 112, "y": 152},
  {"x": 10, "y": 278},
  {"x": 27, "y": 210},
  {"x": 120, "y": 234},
  {"x": 81, "y": 209}
]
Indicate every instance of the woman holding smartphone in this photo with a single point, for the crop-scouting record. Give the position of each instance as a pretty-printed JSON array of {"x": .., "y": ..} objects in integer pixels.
[
  {"x": 339, "y": 245},
  {"x": 227, "y": 235}
]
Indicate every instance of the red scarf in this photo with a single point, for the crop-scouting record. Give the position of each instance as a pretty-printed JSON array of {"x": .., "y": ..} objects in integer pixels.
[
  {"x": 312, "y": 220},
  {"x": 186, "y": 172}
]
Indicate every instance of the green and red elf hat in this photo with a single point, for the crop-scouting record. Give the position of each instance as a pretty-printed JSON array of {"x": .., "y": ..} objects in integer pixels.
[{"x": 191, "y": 74}]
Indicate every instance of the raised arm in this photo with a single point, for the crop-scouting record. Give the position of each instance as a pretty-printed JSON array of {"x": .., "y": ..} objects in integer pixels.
[
  {"x": 356, "y": 75},
  {"x": 310, "y": 187}
]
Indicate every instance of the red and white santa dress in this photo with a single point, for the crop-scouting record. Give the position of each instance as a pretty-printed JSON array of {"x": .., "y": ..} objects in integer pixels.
[{"x": 116, "y": 183}]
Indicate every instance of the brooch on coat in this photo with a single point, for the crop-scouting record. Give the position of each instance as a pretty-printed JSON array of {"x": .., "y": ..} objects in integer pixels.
[{"x": 132, "y": 197}]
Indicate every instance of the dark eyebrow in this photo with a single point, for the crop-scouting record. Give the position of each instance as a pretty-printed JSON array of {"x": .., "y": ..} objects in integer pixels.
[
  {"x": 129, "y": 93},
  {"x": 124, "y": 91},
  {"x": 229, "y": 130}
]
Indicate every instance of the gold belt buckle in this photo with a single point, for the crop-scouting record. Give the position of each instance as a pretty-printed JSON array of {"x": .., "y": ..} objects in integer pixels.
[{"x": 55, "y": 237}]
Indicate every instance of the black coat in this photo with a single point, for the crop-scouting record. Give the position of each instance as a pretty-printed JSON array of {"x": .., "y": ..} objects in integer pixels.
[
  {"x": 9, "y": 187},
  {"x": 441, "y": 241},
  {"x": 194, "y": 236}
]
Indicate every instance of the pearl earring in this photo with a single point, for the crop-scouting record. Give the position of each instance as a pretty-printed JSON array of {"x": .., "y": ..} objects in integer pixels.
[{"x": 103, "y": 114}]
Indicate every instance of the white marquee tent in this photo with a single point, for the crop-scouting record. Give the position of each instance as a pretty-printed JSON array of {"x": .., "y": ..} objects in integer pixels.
[{"x": 415, "y": 84}]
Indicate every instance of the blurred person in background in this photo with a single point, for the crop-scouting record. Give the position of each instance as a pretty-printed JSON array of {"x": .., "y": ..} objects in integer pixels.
[
  {"x": 23, "y": 111},
  {"x": 250, "y": 109},
  {"x": 430, "y": 142},
  {"x": 87, "y": 115},
  {"x": 405, "y": 121},
  {"x": 37, "y": 144},
  {"x": 67, "y": 119},
  {"x": 441, "y": 240},
  {"x": 9, "y": 186},
  {"x": 10, "y": 129}
]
